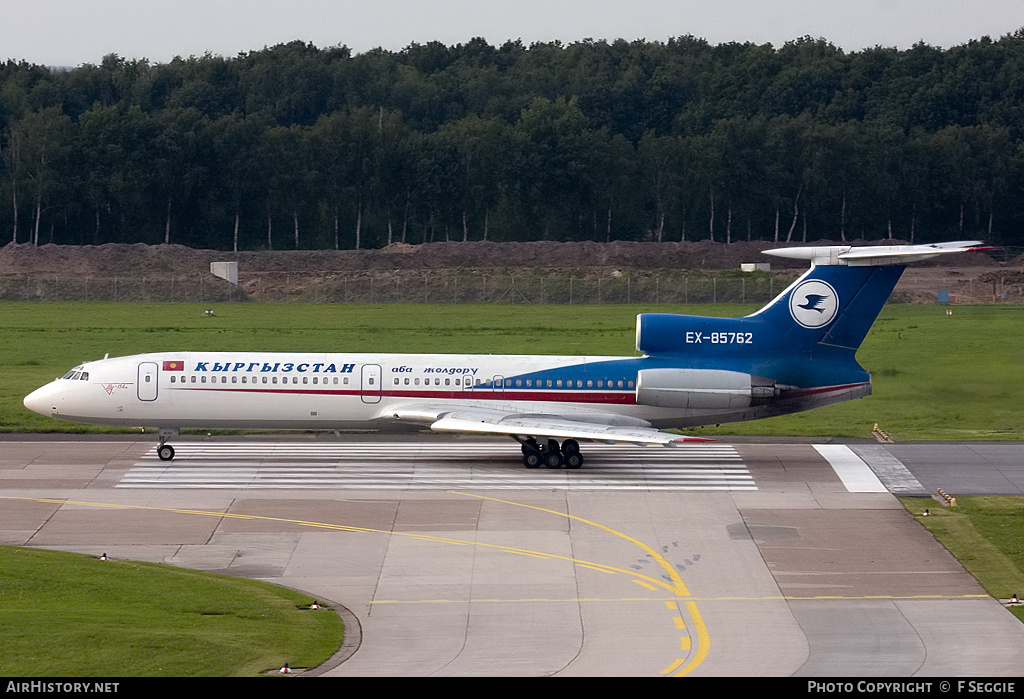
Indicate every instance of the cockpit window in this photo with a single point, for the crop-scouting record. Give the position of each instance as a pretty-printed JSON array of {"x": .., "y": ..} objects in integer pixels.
[{"x": 77, "y": 374}]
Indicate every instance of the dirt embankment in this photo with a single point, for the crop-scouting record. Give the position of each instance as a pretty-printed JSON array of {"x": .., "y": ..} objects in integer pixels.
[
  {"x": 177, "y": 260},
  {"x": 287, "y": 274}
]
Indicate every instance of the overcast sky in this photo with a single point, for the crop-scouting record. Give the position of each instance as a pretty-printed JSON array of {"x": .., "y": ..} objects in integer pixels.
[{"x": 72, "y": 32}]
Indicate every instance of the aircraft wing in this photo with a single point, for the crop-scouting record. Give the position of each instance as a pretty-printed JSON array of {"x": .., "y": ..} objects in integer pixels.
[{"x": 595, "y": 426}]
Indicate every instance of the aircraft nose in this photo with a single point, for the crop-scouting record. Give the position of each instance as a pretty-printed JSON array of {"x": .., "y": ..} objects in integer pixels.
[{"x": 40, "y": 401}]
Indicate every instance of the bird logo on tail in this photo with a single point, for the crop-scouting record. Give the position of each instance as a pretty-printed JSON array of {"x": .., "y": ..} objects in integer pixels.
[{"x": 814, "y": 303}]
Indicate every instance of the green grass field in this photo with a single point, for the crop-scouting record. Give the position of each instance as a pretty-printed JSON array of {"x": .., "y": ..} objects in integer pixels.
[
  {"x": 986, "y": 534},
  {"x": 935, "y": 376},
  {"x": 69, "y": 615}
]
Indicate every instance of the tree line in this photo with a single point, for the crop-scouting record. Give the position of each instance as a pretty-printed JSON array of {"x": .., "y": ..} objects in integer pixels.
[{"x": 296, "y": 146}]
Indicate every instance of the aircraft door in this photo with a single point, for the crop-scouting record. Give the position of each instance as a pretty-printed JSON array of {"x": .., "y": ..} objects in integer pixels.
[
  {"x": 481, "y": 388},
  {"x": 473, "y": 388},
  {"x": 370, "y": 387},
  {"x": 147, "y": 385}
]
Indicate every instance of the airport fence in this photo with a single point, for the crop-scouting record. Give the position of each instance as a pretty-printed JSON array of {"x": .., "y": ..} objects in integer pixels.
[
  {"x": 463, "y": 286},
  {"x": 539, "y": 287},
  {"x": 200, "y": 288},
  {"x": 407, "y": 286}
]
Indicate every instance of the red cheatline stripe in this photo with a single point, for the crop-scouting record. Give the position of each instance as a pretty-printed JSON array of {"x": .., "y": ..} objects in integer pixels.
[
  {"x": 824, "y": 389},
  {"x": 597, "y": 397}
]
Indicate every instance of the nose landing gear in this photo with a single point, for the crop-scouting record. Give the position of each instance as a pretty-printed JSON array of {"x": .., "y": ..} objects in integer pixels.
[{"x": 165, "y": 451}]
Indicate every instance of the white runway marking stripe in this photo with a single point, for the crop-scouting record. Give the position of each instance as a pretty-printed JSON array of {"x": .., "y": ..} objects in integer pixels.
[
  {"x": 856, "y": 475},
  {"x": 420, "y": 466}
]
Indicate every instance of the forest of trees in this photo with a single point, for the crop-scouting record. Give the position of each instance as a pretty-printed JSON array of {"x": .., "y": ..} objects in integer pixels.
[{"x": 296, "y": 146}]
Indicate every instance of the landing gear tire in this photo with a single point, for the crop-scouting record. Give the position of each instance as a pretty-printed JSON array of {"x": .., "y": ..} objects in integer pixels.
[
  {"x": 531, "y": 453},
  {"x": 165, "y": 452},
  {"x": 553, "y": 459},
  {"x": 573, "y": 459}
]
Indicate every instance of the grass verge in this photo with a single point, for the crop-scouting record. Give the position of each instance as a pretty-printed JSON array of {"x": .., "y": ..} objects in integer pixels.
[
  {"x": 986, "y": 534},
  {"x": 70, "y": 615}
]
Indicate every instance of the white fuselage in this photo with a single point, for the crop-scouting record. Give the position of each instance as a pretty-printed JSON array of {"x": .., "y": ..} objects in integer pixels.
[{"x": 246, "y": 390}]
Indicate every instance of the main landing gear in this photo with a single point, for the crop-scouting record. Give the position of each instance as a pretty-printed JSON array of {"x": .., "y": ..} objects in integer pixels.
[
  {"x": 547, "y": 453},
  {"x": 165, "y": 451}
]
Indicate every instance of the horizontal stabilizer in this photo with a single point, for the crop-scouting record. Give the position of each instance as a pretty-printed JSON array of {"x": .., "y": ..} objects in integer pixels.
[{"x": 876, "y": 255}]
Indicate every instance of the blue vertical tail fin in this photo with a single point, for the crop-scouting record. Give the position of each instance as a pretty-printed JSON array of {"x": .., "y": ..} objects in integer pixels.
[
  {"x": 808, "y": 334},
  {"x": 830, "y": 305},
  {"x": 796, "y": 353}
]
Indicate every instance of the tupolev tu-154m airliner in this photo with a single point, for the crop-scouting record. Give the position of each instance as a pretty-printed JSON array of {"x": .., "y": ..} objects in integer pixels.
[{"x": 794, "y": 354}]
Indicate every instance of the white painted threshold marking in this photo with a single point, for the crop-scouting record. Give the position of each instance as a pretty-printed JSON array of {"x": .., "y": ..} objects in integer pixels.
[{"x": 856, "y": 475}]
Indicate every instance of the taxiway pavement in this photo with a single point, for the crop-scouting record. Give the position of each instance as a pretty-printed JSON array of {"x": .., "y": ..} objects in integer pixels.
[{"x": 721, "y": 560}]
